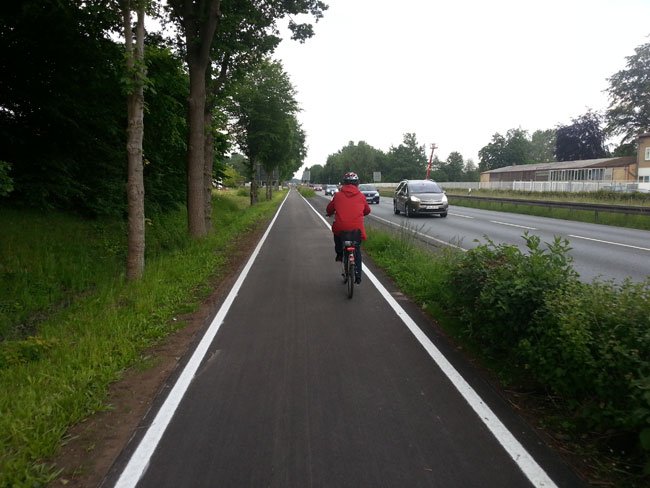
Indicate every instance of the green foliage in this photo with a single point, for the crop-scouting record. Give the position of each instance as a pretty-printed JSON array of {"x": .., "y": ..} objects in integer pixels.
[
  {"x": 306, "y": 191},
  {"x": 165, "y": 127},
  {"x": 6, "y": 182},
  {"x": 499, "y": 288},
  {"x": 590, "y": 344},
  {"x": 60, "y": 373},
  {"x": 24, "y": 351},
  {"x": 584, "y": 138},
  {"x": 514, "y": 148},
  {"x": 266, "y": 128},
  {"x": 629, "y": 93},
  {"x": 419, "y": 274},
  {"x": 361, "y": 158},
  {"x": 66, "y": 145}
]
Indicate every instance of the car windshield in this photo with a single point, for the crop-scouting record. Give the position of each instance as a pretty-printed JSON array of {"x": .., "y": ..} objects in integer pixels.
[
  {"x": 424, "y": 187},
  {"x": 367, "y": 188}
]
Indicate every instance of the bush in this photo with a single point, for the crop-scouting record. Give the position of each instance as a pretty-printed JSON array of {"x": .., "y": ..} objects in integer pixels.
[
  {"x": 6, "y": 182},
  {"x": 499, "y": 289},
  {"x": 590, "y": 344}
]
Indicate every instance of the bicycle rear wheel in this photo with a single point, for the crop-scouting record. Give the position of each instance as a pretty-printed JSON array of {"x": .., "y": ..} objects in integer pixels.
[{"x": 350, "y": 277}]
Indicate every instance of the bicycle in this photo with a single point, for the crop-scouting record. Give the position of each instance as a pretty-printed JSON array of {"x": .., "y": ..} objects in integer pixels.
[{"x": 351, "y": 240}]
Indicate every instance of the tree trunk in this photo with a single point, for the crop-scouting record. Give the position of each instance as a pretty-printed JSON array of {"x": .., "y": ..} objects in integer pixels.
[
  {"x": 195, "y": 150},
  {"x": 200, "y": 21},
  {"x": 135, "y": 134},
  {"x": 208, "y": 158}
]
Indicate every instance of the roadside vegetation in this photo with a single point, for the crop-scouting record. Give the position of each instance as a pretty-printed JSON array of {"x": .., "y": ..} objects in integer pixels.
[
  {"x": 575, "y": 354},
  {"x": 71, "y": 323}
]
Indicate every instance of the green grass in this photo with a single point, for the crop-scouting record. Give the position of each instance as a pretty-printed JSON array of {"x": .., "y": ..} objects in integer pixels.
[
  {"x": 589, "y": 216},
  {"x": 84, "y": 331}
]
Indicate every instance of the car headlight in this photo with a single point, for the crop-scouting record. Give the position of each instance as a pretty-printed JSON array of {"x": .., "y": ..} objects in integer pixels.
[
  {"x": 444, "y": 199},
  {"x": 415, "y": 199}
]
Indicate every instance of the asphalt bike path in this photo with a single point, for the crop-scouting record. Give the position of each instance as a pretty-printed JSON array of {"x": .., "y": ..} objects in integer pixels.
[{"x": 295, "y": 385}]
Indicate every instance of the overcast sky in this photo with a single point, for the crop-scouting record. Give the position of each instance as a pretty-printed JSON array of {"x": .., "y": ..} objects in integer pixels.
[{"x": 456, "y": 72}]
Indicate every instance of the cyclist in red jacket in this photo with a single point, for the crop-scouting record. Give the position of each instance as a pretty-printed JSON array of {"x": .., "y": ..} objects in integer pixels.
[{"x": 349, "y": 206}]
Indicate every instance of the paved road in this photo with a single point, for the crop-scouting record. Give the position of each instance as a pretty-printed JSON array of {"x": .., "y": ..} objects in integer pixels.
[
  {"x": 599, "y": 251},
  {"x": 294, "y": 385}
]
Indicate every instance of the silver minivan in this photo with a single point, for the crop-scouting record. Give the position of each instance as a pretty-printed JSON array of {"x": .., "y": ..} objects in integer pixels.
[{"x": 420, "y": 197}]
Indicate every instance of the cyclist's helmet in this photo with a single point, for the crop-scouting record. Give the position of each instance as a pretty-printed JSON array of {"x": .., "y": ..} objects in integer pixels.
[{"x": 350, "y": 179}]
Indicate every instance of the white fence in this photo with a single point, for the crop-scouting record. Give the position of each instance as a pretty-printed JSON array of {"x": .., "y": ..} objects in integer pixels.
[{"x": 540, "y": 186}]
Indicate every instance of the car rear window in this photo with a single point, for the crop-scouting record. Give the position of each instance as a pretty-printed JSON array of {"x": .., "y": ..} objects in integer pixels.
[{"x": 425, "y": 187}]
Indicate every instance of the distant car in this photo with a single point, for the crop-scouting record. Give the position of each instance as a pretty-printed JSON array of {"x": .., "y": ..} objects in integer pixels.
[
  {"x": 318, "y": 188},
  {"x": 415, "y": 197},
  {"x": 370, "y": 192},
  {"x": 331, "y": 189}
]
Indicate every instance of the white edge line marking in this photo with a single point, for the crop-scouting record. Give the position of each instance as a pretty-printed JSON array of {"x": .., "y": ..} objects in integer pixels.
[
  {"x": 610, "y": 242},
  {"x": 139, "y": 461},
  {"x": 513, "y": 225},
  {"x": 535, "y": 474}
]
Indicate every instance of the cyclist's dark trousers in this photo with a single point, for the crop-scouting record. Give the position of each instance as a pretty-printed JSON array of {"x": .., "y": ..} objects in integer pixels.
[{"x": 338, "y": 248}]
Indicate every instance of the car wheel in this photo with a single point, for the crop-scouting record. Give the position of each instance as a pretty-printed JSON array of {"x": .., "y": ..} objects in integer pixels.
[
  {"x": 395, "y": 211},
  {"x": 443, "y": 215}
]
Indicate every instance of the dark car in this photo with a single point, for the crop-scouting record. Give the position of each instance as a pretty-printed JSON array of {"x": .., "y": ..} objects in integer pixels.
[
  {"x": 331, "y": 189},
  {"x": 416, "y": 197},
  {"x": 370, "y": 192}
]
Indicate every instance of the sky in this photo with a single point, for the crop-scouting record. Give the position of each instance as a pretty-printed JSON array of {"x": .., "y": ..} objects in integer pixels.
[{"x": 455, "y": 72}]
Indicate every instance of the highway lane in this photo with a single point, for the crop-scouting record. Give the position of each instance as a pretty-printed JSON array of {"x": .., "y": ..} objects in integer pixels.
[
  {"x": 294, "y": 385},
  {"x": 599, "y": 251}
]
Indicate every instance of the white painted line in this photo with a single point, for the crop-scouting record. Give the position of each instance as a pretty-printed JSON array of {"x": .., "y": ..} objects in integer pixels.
[
  {"x": 612, "y": 243},
  {"x": 513, "y": 225},
  {"x": 533, "y": 471},
  {"x": 139, "y": 461},
  {"x": 461, "y": 215}
]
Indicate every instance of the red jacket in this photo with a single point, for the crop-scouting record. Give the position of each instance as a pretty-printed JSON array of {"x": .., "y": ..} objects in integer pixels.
[{"x": 350, "y": 206}]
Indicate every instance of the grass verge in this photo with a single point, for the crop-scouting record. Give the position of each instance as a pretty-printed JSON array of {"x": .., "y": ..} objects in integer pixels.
[{"x": 85, "y": 331}]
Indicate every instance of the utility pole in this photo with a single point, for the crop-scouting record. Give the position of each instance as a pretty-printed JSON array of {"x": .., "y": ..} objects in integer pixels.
[{"x": 433, "y": 148}]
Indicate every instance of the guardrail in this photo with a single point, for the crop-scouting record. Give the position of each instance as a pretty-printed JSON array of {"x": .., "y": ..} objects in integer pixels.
[{"x": 595, "y": 207}]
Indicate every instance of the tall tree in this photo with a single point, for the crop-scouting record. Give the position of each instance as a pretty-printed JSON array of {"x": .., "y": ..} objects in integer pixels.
[
  {"x": 492, "y": 156},
  {"x": 198, "y": 21},
  {"x": 584, "y": 138},
  {"x": 629, "y": 94},
  {"x": 316, "y": 174},
  {"x": 470, "y": 171},
  {"x": 265, "y": 128},
  {"x": 454, "y": 166},
  {"x": 542, "y": 146},
  {"x": 513, "y": 149},
  {"x": 408, "y": 160},
  {"x": 135, "y": 132},
  {"x": 362, "y": 158},
  {"x": 201, "y": 22}
]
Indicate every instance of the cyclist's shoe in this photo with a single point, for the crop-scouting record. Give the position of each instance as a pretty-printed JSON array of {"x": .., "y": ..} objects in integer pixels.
[
  {"x": 358, "y": 280},
  {"x": 339, "y": 257}
]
